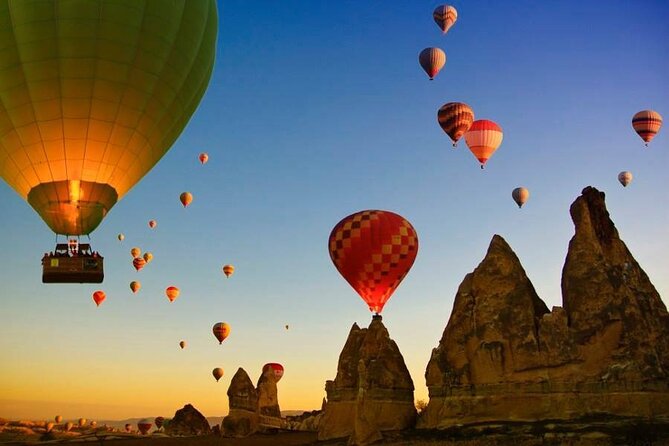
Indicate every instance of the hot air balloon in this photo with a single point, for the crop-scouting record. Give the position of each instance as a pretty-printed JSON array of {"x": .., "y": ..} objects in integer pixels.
[
  {"x": 144, "y": 425},
  {"x": 483, "y": 138},
  {"x": 138, "y": 263},
  {"x": 625, "y": 178},
  {"x": 520, "y": 195},
  {"x": 218, "y": 373},
  {"x": 99, "y": 297},
  {"x": 128, "y": 427},
  {"x": 93, "y": 424},
  {"x": 221, "y": 331},
  {"x": 647, "y": 123},
  {"x": 68, "y": 426},
  {"x": 277, "y": 370},
  {"x": 49, "y": 426},
  {"x": 120, "y": 237},
  {"x": 135, "y": 286},
  {"x": 432, "y": 60},
  {"x": 93, "y": 94},
  {"x": 203, "y": 158},
  {"x": 58, "y": 419},
  {"x": 82, "y": 422},
  {"x": 182, "y": 344},
  {"x": 228, "y": 270},
  {"x": 373, "y": 250},
  {"x": 147, "y": 257},
  {"x": 135, "y": 252},
  {"x": 172, "y": 293},
  {"x": 152, "y": 224},
  {"x": 445, "y": 16},
  {"x": 287, "y": 327},
  {"x": 455, "y": 118},
  {"x": 159, "y": 422},
  {"x": 186, "y": 198}
]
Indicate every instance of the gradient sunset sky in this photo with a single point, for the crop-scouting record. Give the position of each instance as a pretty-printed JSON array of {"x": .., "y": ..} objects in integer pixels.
[{"x": 315, "y": 110}]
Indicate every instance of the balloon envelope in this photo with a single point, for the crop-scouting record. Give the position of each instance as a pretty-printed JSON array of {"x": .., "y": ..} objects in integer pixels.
[
  {"x": 455, "y": 118},
  {"x": 520, "y": 195},
  {"x": 120, "y": 237},
  {"x": 646, "y": 124},
  {"x": 221, "y": 331},
  {"x": 159, "y": 422},
  {"x": 625, "y": 178},
  {"x": 135, "y": 252},
  {"x": 58, "y": 419},
  {"x": 445, "y": 17},
  {"x": 172, "y": 293},
  {"x": 82, "y": 422},
  {"x": 203, "y": 158},
  {"x": 483, "y": 138},
  {"x": 186, "y": 198},
  {"x": 432, "y": 60},
  {"x": 68, "y": 426},
  {"x": 152, "y": 224},
  {"x": 135, "y": 286},
  {"x": 218, "y": 373},
  {"x": 144, "y": 425},
  {"x": 98, "y": 297},
  {"x": 128, "y": 427},
  {"x": 228, "y": 270},
  {"x": 94, "y": 93},
  {"x": 182, "y": 344},
  {"x": 277, "y": 370},
  {"x": 373, "y": 250},
  {"x": 147, "y": 257},
  {"x": 138, "y": 263}
]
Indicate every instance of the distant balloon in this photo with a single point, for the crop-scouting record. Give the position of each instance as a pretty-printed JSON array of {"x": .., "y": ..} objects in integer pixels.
[
  {"x": 277, "y": 370},
  {"x": 49, "y": 426},
  {"x": 432, "y": 60},
  {"x": 152, "y": 224},
  {"x": 144, "y": 425},
  {"x": 455, "y": 118},
  {"x": 135, "y": 286},
  {"x": 186, "y": 198},
  {"x": 625, "y": 178},
  {"x": 98, "y": 297},
  {"x": 228, "y": 270},
  {"x": 82, "y": 422},
  {"x": 203, "y": 158},
  {"x": 373, "y": 250},
  {"x": 445, "y": 16},
  {"x": 120, "y": 237},
  {"x": 138, "y": 263},
  {"x": 483, "y": 138},
  {"x": 647, "y": 123},
  {"x": 221, "y": 331},
  {"x": 287, "y": 327},
  {"x": 135, "y": 252},
  {"x": 93, "y": 424},
  {"x": 520, "y": 195},
  {"x": 58, "y": 419},
  {"x": 172, "y": 293},
  {"x": 128, "y": 427},
  {"x": 218, "y": 373},
  {"x": 182, "y": 344},
  {"x": 68, "y": 426},
  {"x": 159, "y": 422},
  {"x": 147, "y": 257}
]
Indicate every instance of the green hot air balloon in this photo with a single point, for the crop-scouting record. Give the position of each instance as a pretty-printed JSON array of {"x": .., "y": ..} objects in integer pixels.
[{"x": 92, "y": 94}]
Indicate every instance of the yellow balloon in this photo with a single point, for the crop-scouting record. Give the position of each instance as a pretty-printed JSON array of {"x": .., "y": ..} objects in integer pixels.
[{"x": 93, "y": 94}]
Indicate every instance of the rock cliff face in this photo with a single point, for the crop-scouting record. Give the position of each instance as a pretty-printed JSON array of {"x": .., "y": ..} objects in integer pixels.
[
  {"x": 242, "y": 420},
  {"x": 268, "y": 395},
  {"x": 505, "y": 356},
  {"x": 188, "y": 421},
  {"x": 372, "y": 392}
]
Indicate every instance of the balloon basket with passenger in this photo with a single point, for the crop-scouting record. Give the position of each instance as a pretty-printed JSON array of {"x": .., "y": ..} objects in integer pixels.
[{"x": 72, "y": 262}]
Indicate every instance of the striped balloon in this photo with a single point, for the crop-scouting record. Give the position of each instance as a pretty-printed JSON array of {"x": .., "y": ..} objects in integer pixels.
[
  {"x": 455, "y": 118},
  {"x": 647, "y": 123},
  {"x": 483, "y": 138},
  {"x": 445, "y": 16},
  {"x": 432, "y": 60}
]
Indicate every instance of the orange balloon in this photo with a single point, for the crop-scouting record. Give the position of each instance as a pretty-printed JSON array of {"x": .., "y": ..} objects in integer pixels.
[
  {"x": 138, "y": 263},
  {"x": 99, "y": 297},
  {"x": 186, "y": 198},
  {"x": 277, "y": 369},
  {"x": 221, "y": 331},
  {"x": 218, "y": 373},
  {"x": 144, "y": 425},
  {"x": 228, "y": 270},
  {"x": 373, "y": 250},
  {"x": 483, "y": 138},
  {"x": 646, "y": 124},
  {"x": 135, "y": 286},
  {"x": 135, "y": 252},
  {"x": 203, "y": 158},
  {"x": 432, "y": 60},
  {"x": 147, "y": 257},
  {"x": 172, "y": 293},
  {"x": 152, "y": 224},
  {"x": 182, "y": 344}
]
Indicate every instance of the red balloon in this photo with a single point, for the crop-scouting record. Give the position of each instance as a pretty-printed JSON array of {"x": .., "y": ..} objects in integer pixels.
[
  {"x": 98, "y": 297},
  {"x": 276, "y": 368},
  {"x": 138, "y": 263},
  {"x": 373, "y": 250}
]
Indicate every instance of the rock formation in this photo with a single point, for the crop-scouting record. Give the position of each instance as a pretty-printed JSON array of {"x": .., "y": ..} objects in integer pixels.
[
  {"x": 372, "y": 392},
  {"x": 505, "y": 356},
  {"x": 188, "y": 421},
  {"x": 268, "y": 398},
  {"x": 242, "y": 419}
]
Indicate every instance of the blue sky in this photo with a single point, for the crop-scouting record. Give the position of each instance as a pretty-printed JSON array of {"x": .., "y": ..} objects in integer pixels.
[{"x": 317, "y": 110}]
